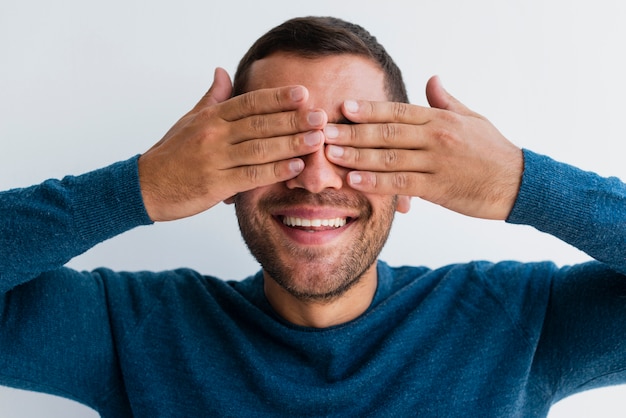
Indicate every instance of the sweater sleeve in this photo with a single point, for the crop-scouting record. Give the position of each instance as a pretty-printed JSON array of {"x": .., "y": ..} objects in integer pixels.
[
  {"x": 42, "y": 227},
  {"x": 581, "y": 208}
]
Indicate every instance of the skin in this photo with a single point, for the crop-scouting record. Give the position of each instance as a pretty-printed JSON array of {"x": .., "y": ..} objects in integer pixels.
[
  {"x": 274, "y": 152},
  {"x": 222, "y": 147},
  {"x": 318, "y": 276},
  {"x": 446, "y": 154}
]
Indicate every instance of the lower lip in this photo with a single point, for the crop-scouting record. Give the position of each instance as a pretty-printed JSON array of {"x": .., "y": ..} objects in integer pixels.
[{"x": 309, "y": 237}]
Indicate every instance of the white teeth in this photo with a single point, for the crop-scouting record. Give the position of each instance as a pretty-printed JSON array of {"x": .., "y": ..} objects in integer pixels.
[{"x": 333, "y": 222}]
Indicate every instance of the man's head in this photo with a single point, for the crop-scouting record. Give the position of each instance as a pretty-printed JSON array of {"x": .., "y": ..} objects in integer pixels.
[
  {"x": 315, "y": 37},
  {"x": 316, "y": 237}
]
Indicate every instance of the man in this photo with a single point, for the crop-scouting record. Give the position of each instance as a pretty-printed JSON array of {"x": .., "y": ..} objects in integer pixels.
[{"x": 317, "y": 150}]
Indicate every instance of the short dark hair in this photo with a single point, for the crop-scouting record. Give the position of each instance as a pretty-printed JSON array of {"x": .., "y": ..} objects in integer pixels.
[{"x": 313, "y": 37}]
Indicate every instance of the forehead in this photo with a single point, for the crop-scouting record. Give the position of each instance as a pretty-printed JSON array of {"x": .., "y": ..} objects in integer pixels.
[{"x": 330, "y": 80}]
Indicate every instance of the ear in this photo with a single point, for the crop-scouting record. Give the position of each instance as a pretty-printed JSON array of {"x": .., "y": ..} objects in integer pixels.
[
  {"x": 403, "y": 204},
  {"x": 230, "y": 200}
]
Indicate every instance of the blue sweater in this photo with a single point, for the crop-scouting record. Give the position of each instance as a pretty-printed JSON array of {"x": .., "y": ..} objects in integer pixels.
[{"x": 476, "y": 340}]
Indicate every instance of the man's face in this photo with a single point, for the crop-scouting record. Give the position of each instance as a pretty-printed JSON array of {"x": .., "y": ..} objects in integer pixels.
[{"x": 313, "y": 235}]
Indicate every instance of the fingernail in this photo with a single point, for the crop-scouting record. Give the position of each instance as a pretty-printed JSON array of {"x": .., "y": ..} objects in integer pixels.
[
  {"x": 335, "y": 151},
  {"x": 351, "y": 106},
  {"x": 313, "y": 138},
  {"x": 297, "y": 94},
  {"x": 296, "y": 166},
  {"x": 315, "y": 118},
  {"x": 355, "y": 178},
  {"x": 331, "y": 132}
]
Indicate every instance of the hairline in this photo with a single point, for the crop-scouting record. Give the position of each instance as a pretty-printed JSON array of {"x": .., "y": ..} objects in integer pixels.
[
  {"x": 295, "y": 54},
  {"x": 314, "y": 56}
]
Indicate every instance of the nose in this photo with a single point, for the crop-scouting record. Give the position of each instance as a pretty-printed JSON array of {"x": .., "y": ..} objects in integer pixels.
[{"x": 318, "y": 174}]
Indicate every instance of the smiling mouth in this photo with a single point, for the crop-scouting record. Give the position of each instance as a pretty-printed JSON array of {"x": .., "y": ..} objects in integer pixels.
[{"x": 314, "y": 224}]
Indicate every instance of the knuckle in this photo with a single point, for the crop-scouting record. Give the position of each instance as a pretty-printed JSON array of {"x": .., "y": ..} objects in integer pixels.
[
  {"x": 277, "y": 97},
  {"x": 390, "y": 158},
  {"x": 449, "y": 117},
  {"x": 294, "y": 145},
  {"x": 259, "y": 149},
  {"x": 259, "y": 125},
  {"x": 206, "y": 135},
  {"x": 293, "y": 121},
  {"x": 400, "y": 181},
  {"x": 248, "y": 101},
  {"x": 399, "y": 110},
  {"x": 205, "y": 114},
  {"x": 252, "y": 174},
  {"x": 445, "y": 137},
  {"x": 278, "y": 170},
  {"x": 354, "y": 133},
  {"x": 388, "y": 132}
]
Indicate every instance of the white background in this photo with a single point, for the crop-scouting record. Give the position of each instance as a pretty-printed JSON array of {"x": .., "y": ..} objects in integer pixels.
[{"x": 84, "y": 84}]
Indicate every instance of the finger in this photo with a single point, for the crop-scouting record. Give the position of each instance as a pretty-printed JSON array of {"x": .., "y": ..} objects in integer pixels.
[
  {"x": 276, "y": 124},
  {"x": 260, "y": 151},
  {"x": 382, "y": 160},
  {"x": 439, "y": 98},
  {"x": 397, "y": 183},
  {"x": 363, "y": 111},
  {"x": 220, "y": 90},
  {"x": 375, "y": 135},
  {"x": 264, "y": 101},
  {"x": 252, "y": 176}
]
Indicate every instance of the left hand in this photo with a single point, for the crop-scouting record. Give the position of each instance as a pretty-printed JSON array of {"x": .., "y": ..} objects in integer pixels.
[{"x": 446, "y": 154}]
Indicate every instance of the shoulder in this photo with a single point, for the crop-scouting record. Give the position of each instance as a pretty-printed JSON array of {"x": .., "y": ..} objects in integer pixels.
[
  {"x": 507, "y": 283},
  {"x": 479, "y": 271}
]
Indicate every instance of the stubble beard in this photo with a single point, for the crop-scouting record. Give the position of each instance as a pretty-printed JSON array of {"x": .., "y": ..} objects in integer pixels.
[{"x": 308, "y": 274}]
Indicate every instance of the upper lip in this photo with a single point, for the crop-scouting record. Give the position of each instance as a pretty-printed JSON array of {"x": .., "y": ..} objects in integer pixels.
[{"x": 316, "y": 213}]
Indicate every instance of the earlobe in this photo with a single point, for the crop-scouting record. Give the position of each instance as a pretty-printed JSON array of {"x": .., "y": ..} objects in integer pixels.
[
  {"x": 403, "y": 204},
  {"x": 230, "y": 200}
]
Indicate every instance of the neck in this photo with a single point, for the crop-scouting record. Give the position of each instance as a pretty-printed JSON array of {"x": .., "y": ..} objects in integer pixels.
[{"x": 323, "y": 314}]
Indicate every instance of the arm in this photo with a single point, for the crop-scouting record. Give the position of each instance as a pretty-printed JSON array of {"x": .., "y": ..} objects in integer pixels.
[
  {"x": 574, "y": 317},
  {"x": 454, "y": 157},
  {"x": 55, "y": 324},
  {"x": 55, "y": 334},
  {"x": 221, "y": 147},
  {"x": 578, "y": 207},
  {"x": 42, "y": 227}
]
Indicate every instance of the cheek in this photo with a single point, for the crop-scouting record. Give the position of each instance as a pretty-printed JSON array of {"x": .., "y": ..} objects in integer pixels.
[
  {"x": 382, "y": 203},
  {"x": 248, "y": 200},
  {"x": 251, "y": 218},
  {"x": 383, "y": 212},
  {"x": 244, "y": 207}
]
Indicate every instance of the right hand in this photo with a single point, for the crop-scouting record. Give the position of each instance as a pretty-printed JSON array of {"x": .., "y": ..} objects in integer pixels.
[{"x": 225, "y": 146}]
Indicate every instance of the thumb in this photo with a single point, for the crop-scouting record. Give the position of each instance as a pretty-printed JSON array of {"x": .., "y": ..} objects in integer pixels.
[
  {"x": 438, "y": 97},
  {"x": 220, "y": 90}
]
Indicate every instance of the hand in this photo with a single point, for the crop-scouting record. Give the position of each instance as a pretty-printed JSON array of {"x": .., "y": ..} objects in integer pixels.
[
  {"x": 225, "y": 146},
  {"x": 445, "y": 154}
]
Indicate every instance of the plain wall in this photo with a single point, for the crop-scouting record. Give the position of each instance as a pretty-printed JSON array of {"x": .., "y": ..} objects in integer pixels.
[{"x": 84, "y": 84}]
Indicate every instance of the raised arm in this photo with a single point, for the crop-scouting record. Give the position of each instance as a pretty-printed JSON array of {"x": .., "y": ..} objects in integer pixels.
[
  {"x": 456, "y": 158},
  {"x": 221, "y": 147}
]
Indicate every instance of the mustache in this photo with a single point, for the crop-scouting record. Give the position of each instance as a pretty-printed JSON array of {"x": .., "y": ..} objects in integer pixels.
[{"x": 329, "y": 197}]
